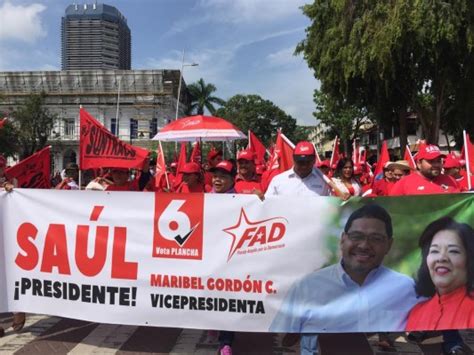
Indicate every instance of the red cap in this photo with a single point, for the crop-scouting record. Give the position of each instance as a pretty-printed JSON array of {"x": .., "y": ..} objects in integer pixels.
[
  {"x": 3, "y": 161},
  {"x": 246, "y": 155},
  {"x": 303, "y": 151},
  {"x": 451, "y": 162},
  {"x": 224, "y": 165},
  {"x": 429, "y": 152},
  {"x": 191, "y": 168},
  {"x": 213, "y": 153},
  {"x": 325, "y": 163}
]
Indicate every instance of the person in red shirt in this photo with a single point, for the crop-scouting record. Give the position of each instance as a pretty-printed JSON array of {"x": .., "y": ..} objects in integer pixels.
[
  {"x": 452, "y": 167},
  {"x": 192, "y": 179},
  {"x": 428, "y": 178},
  {"x": 445, "y": 276},
  {"x": 121, "y": 182},
  {"x": 247, "y": 181},
  {"x": 381, "y": 187}
]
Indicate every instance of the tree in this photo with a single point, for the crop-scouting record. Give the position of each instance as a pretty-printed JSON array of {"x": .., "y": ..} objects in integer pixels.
[
  {"x": 261, "y": 116},
  {"x": 392, "y": 56},
  {"x": 9, "y": 144},
  {"x": 201, "y": 97},
  {"x": 341, "y": 118},
  {"x": 33, "y": 124}
]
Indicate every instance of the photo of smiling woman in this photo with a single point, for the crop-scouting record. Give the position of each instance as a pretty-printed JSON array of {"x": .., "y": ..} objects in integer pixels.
[{"x": 446, "y": 275}]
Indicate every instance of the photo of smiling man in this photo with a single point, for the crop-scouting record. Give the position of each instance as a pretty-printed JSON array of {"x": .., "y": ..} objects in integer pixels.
[{"x": 358, "y": 294}]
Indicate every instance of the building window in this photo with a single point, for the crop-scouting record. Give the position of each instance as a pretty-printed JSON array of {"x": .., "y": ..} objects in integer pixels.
[
  {"x": 133, "y": 128},
  {"x": 153, "y": 127},
  {"x": 113, "y": 126},
  {"x": 69, "y": 127}
]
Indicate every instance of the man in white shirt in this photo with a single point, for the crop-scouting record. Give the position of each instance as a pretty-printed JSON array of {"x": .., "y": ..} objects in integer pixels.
[
  {"x": 303, "y": 179},
  {"x": 358, "y": 294}
]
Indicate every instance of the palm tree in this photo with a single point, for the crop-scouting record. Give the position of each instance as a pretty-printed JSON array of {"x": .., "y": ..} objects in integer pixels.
[{"x": 201, "y": 97}]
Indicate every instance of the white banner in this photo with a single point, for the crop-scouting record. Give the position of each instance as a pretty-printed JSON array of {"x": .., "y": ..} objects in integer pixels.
[
  {"x": 193, "y": 261},
  {"x": 233, "y": 262}
]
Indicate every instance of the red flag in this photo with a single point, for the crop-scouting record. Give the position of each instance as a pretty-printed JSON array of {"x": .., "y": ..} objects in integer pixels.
[
  {"x": 409, "y": 158},
  {"x": 363, "y": 157},
  {"x": 196, "y": 154},
  {"x": 179, "y": 167},
  {"x": 100, "y": 148},
  {"x": 282, "y": 158},
  {"x": 257, "y": 147},
  {"x": 421, "y": 144},
  {"x": 160, "y": 171},
  {"x": 335, "y": 156},
  {"x": 2, "y": 122},
  {"x": 355, "y": 152},
  {"x": 383, "y": 158},
  {"x": 468, "y": 155},
  {"x": 32, "y": 172}
]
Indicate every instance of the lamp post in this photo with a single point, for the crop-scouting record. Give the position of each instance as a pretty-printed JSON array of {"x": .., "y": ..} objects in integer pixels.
[{"x": 180, "y": 80}]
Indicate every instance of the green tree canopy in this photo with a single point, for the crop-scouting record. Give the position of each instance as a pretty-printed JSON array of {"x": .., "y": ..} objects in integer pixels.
[
  {"x": 9, "y": 144},
  {"x": 202, "y": 97},
  {"x": 261, "y": 116},
  {"x": 33, "y": 124},
  {"x": 392, "y": 56}
]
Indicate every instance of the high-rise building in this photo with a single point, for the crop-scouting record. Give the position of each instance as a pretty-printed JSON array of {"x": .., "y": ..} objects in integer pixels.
[{"x": 95, "y": 36}]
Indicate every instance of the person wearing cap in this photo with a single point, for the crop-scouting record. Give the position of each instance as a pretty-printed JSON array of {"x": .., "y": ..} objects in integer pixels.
[
  {"x": 120, "y": 178},
  {"x": 192, "y": 179},
  {"x": 247, "y": 181},
  {"x": 428, "y": 178},
  {"x": 214, "y": 157},
  {"x": 400, "y": 168},
  {"x": 71, "y": 178},
  {"x": 325, "y": 167},
  {"x": 381, "y": 187},
  {"x": 452, "y": 167},
  {"x": 344, "y": 179},
  {"x": 223, "y": 181},
  {"x": 303, "y": 179}
]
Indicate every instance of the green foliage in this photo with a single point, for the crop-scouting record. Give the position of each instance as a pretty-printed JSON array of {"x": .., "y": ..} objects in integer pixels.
[
  {"x": 390, "y": 56},
  {"x": 33, "y": 124},
  {"x": 261, "y": 116},
  {"x": 201, "y": 97},
  {"x": 341, "y": 118},
  {"x": 9, "y": 144}
]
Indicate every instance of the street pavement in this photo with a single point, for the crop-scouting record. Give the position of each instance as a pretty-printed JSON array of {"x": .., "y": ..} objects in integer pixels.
[{"x": 55, "y": 335}]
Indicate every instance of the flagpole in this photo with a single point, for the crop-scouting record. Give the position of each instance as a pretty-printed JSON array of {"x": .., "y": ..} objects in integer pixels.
[
  {"x": 80, "y": 171},
  {"x": 466, "y": 156},
  {"x": 166, "y": 172}
]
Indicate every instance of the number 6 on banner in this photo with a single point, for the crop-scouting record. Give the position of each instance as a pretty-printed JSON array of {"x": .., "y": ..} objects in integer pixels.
[
  {"x": 173, "y": 222},
  {"x": 178, "y": 227}
]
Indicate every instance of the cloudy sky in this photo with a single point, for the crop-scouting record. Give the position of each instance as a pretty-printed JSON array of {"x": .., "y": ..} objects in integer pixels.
[{"x": 242, "y": 46}]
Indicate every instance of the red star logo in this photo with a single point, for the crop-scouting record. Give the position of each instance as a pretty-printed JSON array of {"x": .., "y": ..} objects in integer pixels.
[{"x": 237, "y": 231}]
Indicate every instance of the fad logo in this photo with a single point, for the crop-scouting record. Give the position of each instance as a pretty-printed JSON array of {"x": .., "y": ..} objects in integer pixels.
[
  {"x": 256, "y": 236},
  {"x": 178, "y": 226}
]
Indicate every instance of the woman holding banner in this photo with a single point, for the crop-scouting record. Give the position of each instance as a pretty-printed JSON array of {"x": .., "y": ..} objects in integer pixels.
[{"x": 446, "y": 275}]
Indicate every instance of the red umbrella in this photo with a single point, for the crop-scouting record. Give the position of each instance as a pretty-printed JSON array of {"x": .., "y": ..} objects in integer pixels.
[{"x": 205, "y": 128}]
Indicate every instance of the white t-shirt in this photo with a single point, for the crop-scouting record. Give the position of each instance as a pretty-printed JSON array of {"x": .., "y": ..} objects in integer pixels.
[{"x": 289, "y": 183}]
